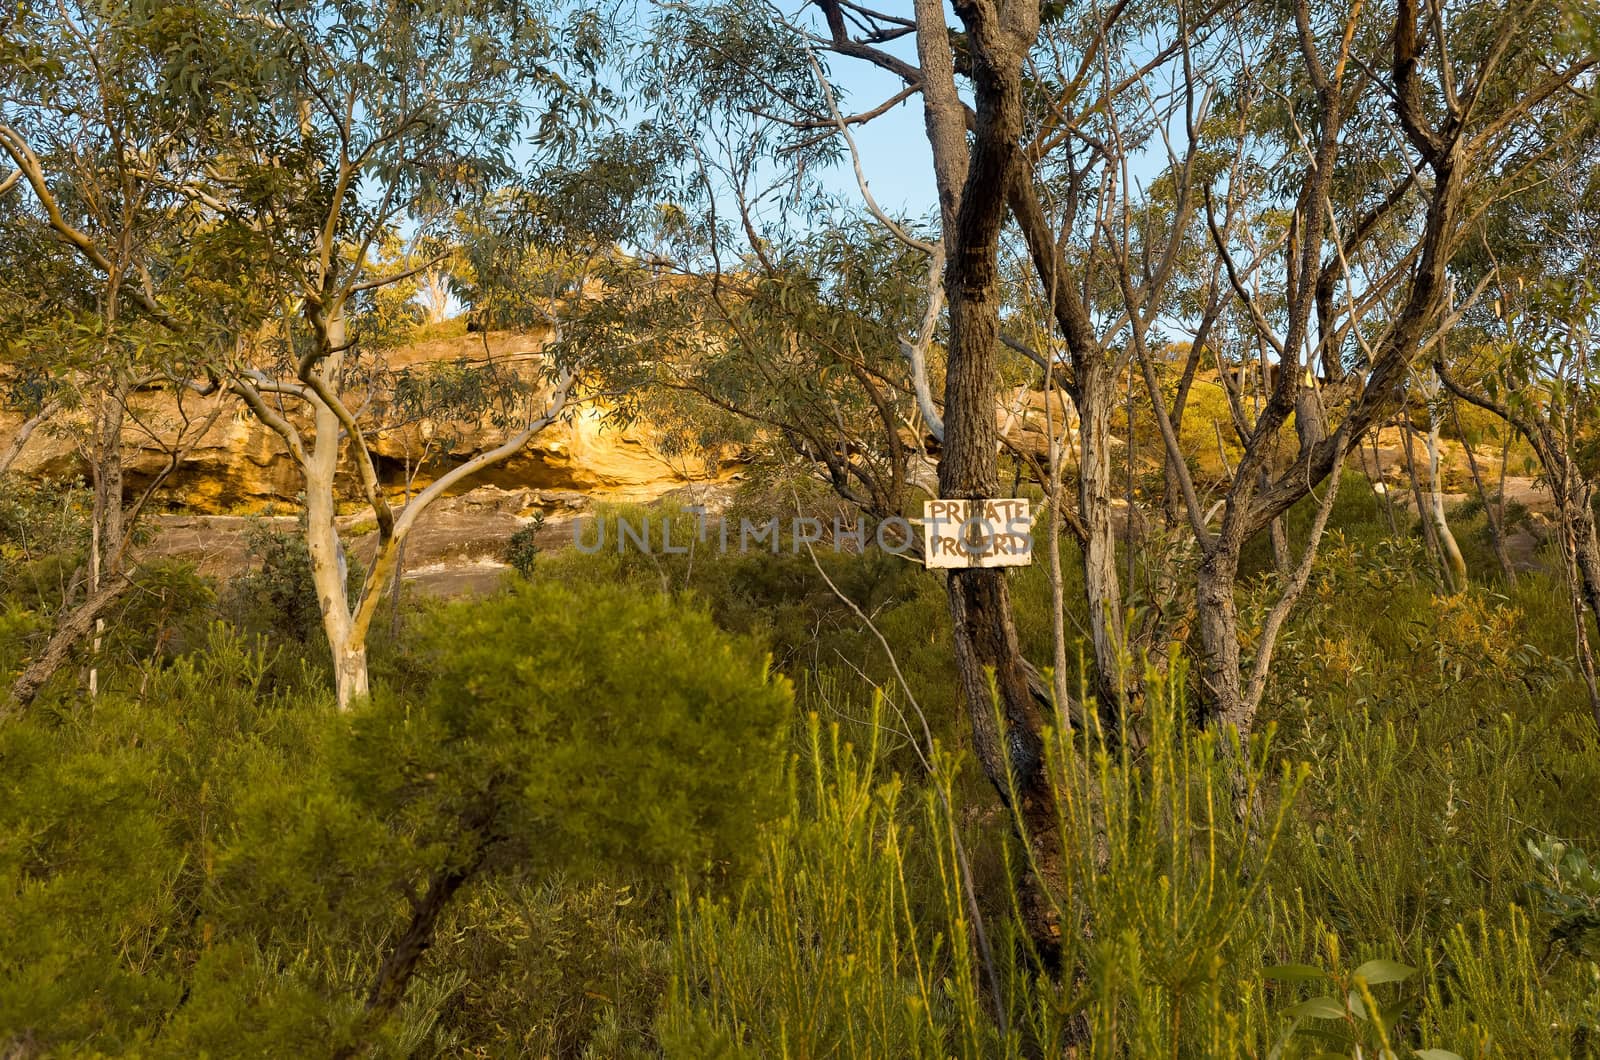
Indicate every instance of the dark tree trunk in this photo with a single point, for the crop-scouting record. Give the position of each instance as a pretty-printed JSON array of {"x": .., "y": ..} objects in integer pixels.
[
  {"x": 1006, "y": 720},
  {"x": 400, "y": 963},
  {"x": 69, "y": 631}
]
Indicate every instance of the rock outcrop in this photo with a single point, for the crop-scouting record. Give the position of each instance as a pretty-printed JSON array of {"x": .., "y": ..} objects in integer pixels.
[{"x": 239, "y": 466}]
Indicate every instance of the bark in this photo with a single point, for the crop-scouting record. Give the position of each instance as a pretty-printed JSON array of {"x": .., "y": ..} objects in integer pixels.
[
  {"x": 1310, "y": 420},
  {"x": 1430, "y": 533},
  {"x": 1006, "y": 721},
  {"x": 328, "y": 569},
  {"x": 1455, "y": 563},
  {"x": 1100, "y": 580},
  {"x": 1217, "y": 617},
  {"x": 1379, "y": 486},
  {"x": 68, "y": 632},
  {"x": 24, "y": 432},
  {"x": 1281, "y": 560}
]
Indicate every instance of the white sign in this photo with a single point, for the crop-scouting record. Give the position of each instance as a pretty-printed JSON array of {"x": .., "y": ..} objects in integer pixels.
[{"x": 990, "y": 533}]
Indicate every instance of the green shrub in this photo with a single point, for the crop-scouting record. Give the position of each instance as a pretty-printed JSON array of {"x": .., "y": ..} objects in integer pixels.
[
  {"x": 862, "y": 934},
  {"x": 604, "y": 728},
  {"x": 44, "y": 538},
  {"x": 522, "y": 548},
  {"x": 212, "y": 861}
]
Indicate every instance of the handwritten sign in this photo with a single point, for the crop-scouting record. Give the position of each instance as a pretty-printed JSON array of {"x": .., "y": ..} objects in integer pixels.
[{"x": 988, "y": 533}]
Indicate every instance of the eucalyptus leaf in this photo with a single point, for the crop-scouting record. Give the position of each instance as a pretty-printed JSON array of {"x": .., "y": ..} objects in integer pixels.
[
  {"x": 1383, "y": 971},
  {"x": 1322, "y": 1008}
]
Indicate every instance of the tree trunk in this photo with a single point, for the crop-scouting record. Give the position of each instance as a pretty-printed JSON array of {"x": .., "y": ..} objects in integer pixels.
[
  {"x": 106, "y": 533},
  {"x": 1102, "y": 589},
  {"x": 1430, "y": 533},
  {"x": 1218, "y": 619},
  {"x": 1380, "y": 487},
  {"x": 1006, "y": 722},
  {"x": 1282, "y": 561},
  {"x": 68, "y": 632},
  {"x": 1455, "y": 564},
  {"x": 328, "y": 571}
]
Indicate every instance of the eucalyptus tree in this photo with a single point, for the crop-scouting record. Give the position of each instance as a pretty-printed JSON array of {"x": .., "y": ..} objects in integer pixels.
[
  {"x": 394, "y": 114},
  {"x": 765, "y": 315},
  {"x": 1526, "y": 353},
  {"x": 99, "y": 241},
  {"x": 1437, "y": 108},
  {"x": 775, "y": 117},
  {"x": 340, "y": 127},
  {"x": 1314, "y": 170}
]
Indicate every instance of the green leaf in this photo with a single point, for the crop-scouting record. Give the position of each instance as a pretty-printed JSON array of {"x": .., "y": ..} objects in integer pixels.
[
  {"x": 1321, "y": 1008},
  {"x": 1437, "y": 1054},
  {"x": 1382, "y": 971},
  {"x": 1294, "y": 973}
]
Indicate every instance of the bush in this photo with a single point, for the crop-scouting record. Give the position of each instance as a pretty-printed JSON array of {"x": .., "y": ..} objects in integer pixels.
[
  {"x": 522, "y": 549},
  {"x": 599, "y": 729},
  {"x": 277, "y": 597},
  {"x": 860, "y": 934},
  {"x": 44, "y": 537},
  {"x": 217, "y": 863}
]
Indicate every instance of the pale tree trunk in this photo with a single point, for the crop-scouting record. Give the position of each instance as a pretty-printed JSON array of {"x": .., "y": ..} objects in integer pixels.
[
  {"x": 1380, "y": 487},
  {"x": 1455, "y": 564},
  {"x": 106, "y": 530},
  {"x": 328, "y": 568},
  {"x": 435, "y": 285},
  {"x": 1419, "y": 497},
  {"x": 19, "y": 441},
  {"x": 346, "y": 621},
  {"x": 329, "y": 574}
]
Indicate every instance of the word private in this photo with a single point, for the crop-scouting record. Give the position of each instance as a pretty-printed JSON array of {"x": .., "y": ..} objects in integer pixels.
[{"x": 977, "y": 533}]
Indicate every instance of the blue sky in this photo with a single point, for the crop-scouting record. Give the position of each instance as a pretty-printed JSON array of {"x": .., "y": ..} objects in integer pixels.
[{"x": 894, "y": 148}]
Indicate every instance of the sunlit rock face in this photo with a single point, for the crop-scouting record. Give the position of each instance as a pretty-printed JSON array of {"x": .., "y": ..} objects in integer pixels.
[{"x": 239, "y": 466}]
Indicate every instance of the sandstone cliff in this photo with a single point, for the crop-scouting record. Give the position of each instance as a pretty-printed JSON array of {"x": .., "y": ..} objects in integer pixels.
[{"x": 239, "y": 466}]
